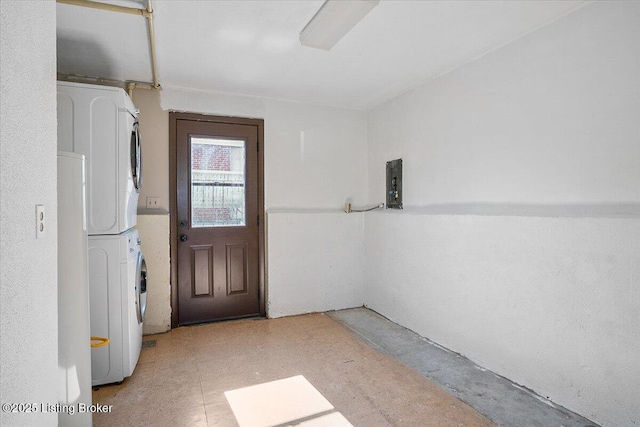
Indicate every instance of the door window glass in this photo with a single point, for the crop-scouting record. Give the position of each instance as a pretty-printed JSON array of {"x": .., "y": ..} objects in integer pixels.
[{"x": 217, "y": 182}]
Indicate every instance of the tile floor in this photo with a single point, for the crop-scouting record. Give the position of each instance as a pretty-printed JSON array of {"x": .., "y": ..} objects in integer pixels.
[
  {"x": 183, "y": 379},
  {"x": 498, "y": 398}
]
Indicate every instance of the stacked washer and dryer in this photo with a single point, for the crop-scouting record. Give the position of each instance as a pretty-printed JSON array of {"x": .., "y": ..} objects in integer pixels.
[{"x": 101, "y": 123}]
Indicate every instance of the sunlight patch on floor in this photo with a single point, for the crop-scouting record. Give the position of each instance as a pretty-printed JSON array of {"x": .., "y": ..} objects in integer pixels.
[{"x": 290, "y": 401}]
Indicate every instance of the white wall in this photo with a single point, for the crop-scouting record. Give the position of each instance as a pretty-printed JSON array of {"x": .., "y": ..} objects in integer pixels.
[
  {"x": 154, "y": 131},
  {"x": 549, "y": 119},
  {"x": 550, "y": 303},
  {"x": 316, "y": 261},
  {"x": 154, "y": 235},
  {"x": 313, "y": 154},
  {"x": 153, "y": 224},
  {"x": 313, "y": 164},
  {"x": 28, "y": 281},
  {"x": 542, "y": 138}
]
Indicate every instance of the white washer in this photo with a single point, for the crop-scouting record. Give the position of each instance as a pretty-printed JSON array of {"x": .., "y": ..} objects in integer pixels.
[
  {"x": 101, "y": 123},
  {"x": 117, "y": 290}
]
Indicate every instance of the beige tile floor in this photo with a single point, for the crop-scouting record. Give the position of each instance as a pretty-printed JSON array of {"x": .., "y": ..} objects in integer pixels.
[{"x": 182, "y": 380}]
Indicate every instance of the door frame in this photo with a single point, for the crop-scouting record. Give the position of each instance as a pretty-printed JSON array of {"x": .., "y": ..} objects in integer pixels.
[{"x": 174, "y": 116}]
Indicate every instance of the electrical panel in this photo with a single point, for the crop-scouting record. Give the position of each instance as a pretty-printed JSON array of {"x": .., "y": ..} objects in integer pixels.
[{"x": 394, "y": 184}]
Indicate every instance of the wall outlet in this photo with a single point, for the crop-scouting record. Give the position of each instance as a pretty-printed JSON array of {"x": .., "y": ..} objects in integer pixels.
[
  {"x": 39, "y": 221},
  {"x": 153, "y": 202}
]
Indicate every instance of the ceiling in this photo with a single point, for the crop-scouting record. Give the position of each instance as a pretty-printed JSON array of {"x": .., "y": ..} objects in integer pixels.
[{"x": 252, "y": 47}]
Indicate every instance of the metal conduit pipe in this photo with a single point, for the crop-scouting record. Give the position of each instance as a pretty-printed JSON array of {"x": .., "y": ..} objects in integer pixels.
[
  {"x": 152, "y": 44},
  {"x": 148, "y": 14},
  {"x": 106, "y": 6}
]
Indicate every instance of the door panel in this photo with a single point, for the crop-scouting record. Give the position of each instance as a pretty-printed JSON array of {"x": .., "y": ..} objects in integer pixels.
[
  {"x": 237, "y": 269},
  {"x": 218, "y": 209},
  {"x": 202, "y": 277}
]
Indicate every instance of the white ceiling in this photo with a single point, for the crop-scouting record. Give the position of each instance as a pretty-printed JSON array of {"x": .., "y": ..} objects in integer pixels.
[{"x": 252, "y": 47}]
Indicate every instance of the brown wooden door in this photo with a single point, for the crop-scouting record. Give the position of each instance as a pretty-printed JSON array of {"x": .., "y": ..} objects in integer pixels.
[{"x": 218, "y": 209}]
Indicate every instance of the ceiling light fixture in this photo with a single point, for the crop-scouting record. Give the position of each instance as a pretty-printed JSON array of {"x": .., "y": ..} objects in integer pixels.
[{"x": 333, "y": 20}]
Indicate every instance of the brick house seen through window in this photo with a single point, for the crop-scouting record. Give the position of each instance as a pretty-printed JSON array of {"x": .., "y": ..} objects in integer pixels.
[{"x": 217, "y": 182}]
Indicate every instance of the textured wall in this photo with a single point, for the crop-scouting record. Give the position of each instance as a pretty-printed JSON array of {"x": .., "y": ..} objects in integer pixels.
[
  {"x": 153, "y": 224},
  {"x": 313, "y": 154},
  {"x": 316, "y": 261},
  {"x": 313, "y": 161},
  {"x": 549, "y": 119},
  {"x": 154, "y": 233},
  {"x": 28, "y": 281},
  {"x": 542, "y": 139},
  {"x": 550, "y": 303},
  {"x": 154, "y": 131}
]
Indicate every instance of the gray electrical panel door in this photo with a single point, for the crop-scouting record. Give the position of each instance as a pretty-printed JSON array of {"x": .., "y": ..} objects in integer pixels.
[{"x": 394, "y": 184}]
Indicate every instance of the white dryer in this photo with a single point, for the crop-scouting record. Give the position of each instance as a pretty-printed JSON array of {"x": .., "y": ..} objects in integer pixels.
[
  {"x": 117, "y": 290},
  {"x": 101, "y": 123}
]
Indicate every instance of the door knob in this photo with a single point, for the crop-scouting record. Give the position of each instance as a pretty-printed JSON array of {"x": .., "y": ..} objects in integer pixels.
[{"x": 183, "y": 237}]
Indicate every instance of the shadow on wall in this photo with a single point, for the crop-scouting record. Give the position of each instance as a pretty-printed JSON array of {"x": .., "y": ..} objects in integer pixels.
[{"x": 69, "y": 59}]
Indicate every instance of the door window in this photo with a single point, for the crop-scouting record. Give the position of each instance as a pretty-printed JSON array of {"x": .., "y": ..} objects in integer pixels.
[{"x": 217, "y": 182}]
